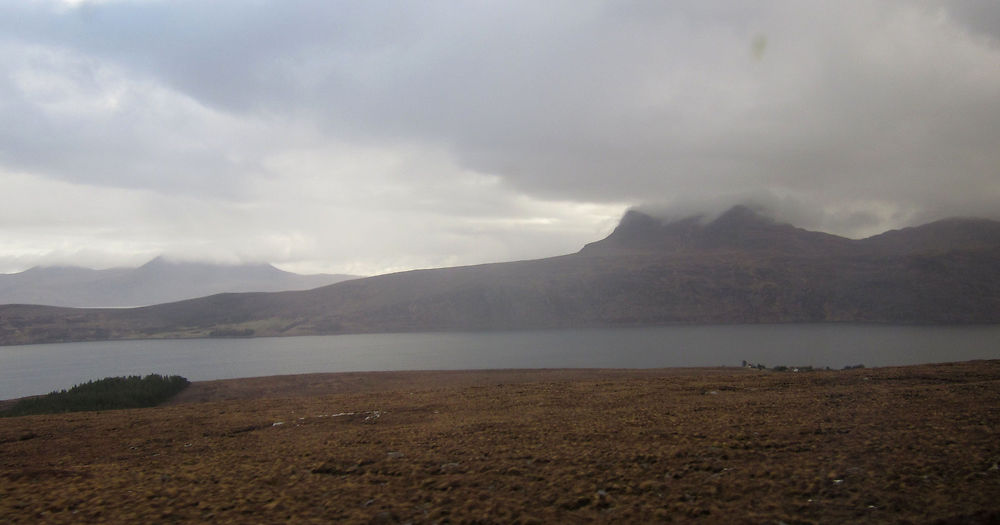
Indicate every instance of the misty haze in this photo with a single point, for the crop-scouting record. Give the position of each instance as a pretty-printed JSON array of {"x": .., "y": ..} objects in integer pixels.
[{"x": 509, "y": 262}]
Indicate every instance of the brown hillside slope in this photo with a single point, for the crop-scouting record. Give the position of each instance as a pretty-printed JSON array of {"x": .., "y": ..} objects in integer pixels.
[
  {"x": 894, "y": 445},
  {"x": 739, "y": 268}
]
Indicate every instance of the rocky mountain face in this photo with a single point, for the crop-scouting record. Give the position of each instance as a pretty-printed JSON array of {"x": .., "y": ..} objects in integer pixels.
[
  {"x": 739, "y": 268},
  {"x": 158, "y": 281}
]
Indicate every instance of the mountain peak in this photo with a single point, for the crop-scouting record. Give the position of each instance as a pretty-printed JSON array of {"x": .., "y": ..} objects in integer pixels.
[
  {"x": 739, "y": 228},
  {"x": 162, "y": 262},
  {"x": 156, "y": 262},
  {"x": 741, "y": 215},
  {"x": 637, "y": 225},
  {"x": 158, "y": 281}
]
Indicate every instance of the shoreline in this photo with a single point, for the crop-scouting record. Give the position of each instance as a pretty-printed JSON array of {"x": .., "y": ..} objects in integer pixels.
[
  {"x": 326, "y": 383},
  {"x": 526, "y": 329}
]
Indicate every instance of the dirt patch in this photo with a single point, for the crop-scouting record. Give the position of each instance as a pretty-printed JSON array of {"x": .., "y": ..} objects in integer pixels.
[{"x": 914, "y": 444}]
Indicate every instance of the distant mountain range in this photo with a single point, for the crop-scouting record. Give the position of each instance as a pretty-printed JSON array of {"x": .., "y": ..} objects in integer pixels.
[
  {"x": 739, "y": 268},
  {"x": 158, "y": 281}
]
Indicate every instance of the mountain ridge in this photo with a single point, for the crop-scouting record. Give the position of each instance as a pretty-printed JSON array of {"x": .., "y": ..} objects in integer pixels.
[
  {"x": 742, "y": 228},
  {"x": 738, "y": 268},
  {"x": 738, "y": 228},
  {"x": 159, "y": 280}
]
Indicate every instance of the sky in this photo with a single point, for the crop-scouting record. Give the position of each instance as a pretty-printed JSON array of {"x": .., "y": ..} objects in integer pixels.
[{"x": 370, "y": 137}]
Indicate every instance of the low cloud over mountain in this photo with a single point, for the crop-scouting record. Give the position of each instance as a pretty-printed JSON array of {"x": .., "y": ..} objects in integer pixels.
[
  {"x": 158, "y": 281},
  {"x": 370, "y": 137},
  {"x": 740, "y": 267}
]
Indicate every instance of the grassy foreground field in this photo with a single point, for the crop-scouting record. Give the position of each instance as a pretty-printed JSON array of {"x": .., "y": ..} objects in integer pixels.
[{"x": 913, "y": 444}]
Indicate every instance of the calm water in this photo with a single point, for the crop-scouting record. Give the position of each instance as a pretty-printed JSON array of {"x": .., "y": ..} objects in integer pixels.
[{"x": 38, "y": 369}]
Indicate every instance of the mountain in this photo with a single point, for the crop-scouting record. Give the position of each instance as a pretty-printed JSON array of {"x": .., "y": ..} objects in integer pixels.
[
  {"x": 158, "y": 281},
  {"x": 938, "y": 237},
  {"x": 738, "y": 268},
  {"x": 739, "y": 229}
]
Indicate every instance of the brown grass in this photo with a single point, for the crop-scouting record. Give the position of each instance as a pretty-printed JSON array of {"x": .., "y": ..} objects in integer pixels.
[{"x": 912, "y": 444}]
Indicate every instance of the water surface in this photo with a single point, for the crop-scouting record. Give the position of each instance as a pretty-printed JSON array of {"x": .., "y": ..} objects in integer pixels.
[{"x": 38, "y": 369}]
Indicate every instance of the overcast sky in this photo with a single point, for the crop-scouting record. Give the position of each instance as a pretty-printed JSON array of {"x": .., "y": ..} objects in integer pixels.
[{"x": 366, "y": 137}]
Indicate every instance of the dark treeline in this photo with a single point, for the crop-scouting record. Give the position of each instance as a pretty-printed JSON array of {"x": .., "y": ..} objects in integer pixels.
[{"x": 104, "y": 394}]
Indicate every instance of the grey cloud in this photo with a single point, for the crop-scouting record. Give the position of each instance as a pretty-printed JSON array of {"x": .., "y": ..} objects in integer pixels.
[
  {"x": 810, "y": 215},
  {"x": 981, "y": 16},
  {"x": 853, "y": 117},
  {"x": 73, "y": 118}
]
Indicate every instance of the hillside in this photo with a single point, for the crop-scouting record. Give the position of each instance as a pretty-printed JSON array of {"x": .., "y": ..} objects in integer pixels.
[
  {"x": 158, "y": 281},
  {"x": 710, "y": 445},
  {"x": 739, "y": 268}
]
